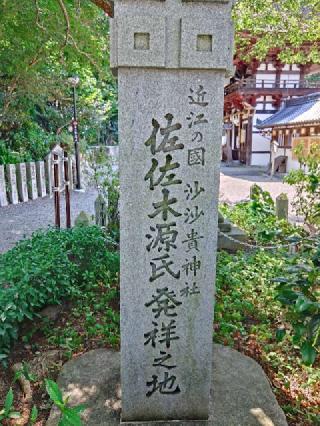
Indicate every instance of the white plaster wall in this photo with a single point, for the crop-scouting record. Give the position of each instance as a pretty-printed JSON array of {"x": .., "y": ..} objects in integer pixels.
[
  {"x": 260, "y": 160},
  {"x": 291, "y": 164},
  {"x": 262, "y": 67},
  {"x": 269, "y": 105},
  {"x": 260, "y": 143},
  {"x": 269, "y": 79},
  {"x": 289, "y": 77}
]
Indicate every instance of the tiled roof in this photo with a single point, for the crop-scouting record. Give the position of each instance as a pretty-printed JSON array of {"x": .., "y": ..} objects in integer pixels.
[{"x": 302, "y": 110}]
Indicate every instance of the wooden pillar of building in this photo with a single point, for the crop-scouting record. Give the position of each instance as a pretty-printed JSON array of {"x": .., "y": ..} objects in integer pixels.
[{"x": 249, "y": 140}]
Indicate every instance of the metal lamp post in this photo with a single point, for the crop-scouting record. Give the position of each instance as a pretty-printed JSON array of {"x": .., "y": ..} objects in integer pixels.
[{"x": 74, "y": 81}]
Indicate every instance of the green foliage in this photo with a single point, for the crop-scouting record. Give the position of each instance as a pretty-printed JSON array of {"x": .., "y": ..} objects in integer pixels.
[
  {"x": 33, "y": 415},
  {"x": 70, "y": 416},
  {"x": 106, "y": 181},
  {"x": 298, "y": 291},
  {"x": 94, "y": 317},
  {"x": 48, "y": 268},
  {"x": 306, "y": 181},
  {"x": 7, "y": 412},
  {"x": 258, "y": 219},
  {"x": 293, "y": 27},
  {"x": 243, "y": 292},
  {"x": 24, "y": 372},
  {"x": 36, "y": 101},
  {"x": 249, "y": 317},
  {"x": 29, "y": 143},
  {"x": 7, "y": 156}
]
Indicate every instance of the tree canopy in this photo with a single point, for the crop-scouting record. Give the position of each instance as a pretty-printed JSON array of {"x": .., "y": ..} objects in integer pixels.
[
  {"x": 290, "y": 27},
  {"x": 43, "y": 42}
]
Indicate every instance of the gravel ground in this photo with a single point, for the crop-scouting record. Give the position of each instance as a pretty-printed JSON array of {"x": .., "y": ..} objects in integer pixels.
[
  {"x": 235, "y": 183},
  {"x": 18, "y": 221}
]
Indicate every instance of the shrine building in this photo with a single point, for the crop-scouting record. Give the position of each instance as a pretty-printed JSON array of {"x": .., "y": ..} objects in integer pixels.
[
  {"x": 256, "y": 92},
  {"x": 298, "y": 122}
]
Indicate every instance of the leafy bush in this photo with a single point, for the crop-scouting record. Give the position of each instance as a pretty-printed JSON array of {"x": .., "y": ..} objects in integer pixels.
[
  {"x": 298, "y": 291},
  {"x": 47, "y": 268},
  {"x": 69, "y": 416},
  {"x": 7, "y": 156},
  {"x": 30, "y": 143},
  {"x": 7, "y": 412},
  {"x": 258, "y": 219},
  {"x": 243, "y": 292},
  {"x": 105, "y": 179},
  {"x": 247, "y": 317},
  {"x": 307, "y": 185}
]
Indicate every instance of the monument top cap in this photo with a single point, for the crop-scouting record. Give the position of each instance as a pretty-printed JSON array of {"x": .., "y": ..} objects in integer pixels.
[{"x": 172, "y": 34}]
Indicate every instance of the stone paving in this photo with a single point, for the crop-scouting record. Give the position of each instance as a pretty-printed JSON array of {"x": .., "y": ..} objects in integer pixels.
[
  {"x": 20, "y": 220},
  {"x": 17, "y": 221},
  {"x": 235, "y": 183}
]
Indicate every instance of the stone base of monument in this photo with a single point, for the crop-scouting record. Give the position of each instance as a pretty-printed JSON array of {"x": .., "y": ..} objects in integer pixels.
[{"x": 241, "y": 392}]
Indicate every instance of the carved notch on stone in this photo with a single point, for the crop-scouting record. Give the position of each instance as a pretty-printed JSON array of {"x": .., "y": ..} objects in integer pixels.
[
  {"x": 141, "y": 41},
  {"x": 204, "y": 43}
]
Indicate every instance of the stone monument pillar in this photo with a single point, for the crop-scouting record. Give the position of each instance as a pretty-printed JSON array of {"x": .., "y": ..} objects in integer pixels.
[
  {"x": 41, "y": 179},
  {"x": 3, "y": 189},
  {"x": 171, "y": 59},
  {"x": 22, "y": 182},
  {"x": 32, "y": 181},
  {"x": 48, "y": 174},
  {"x": 12, "y": 183}
]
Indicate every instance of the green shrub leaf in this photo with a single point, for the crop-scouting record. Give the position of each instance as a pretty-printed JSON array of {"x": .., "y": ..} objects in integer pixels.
[
  {"x": 54, "y": 392},
  {"x": 8, "y": 402},
  {"x": 308, "y": 353}
]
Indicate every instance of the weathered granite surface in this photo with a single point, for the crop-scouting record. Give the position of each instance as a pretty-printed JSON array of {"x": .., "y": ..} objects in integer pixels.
[
  {"x": 190, "y": 259},
  {"x": 12, "y": 183},
  {"x": 171, "y": 59},
  {"x": 22, "y": 182},
  {"x": 282, "y": 206},
  {"x": 3, "y": 191},
  {"x": 242, "y": 395},
  {"x": 49, "y": 174},
  {"x": 41, "y": 179},
  {"x": 32, "y": 181}
]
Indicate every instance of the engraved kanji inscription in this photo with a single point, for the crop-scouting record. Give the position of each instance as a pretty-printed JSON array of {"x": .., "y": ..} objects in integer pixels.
[
  {"x": 164, "y": 237},
  {"x": 192, "y": 266},
  {"x": 196, "y": 156},
  {"x": 165, "y": 178},
  {"x": 161, "y": 265},
  {"x": 197, "y": 97},
  {"x": 151, "y": 336},
  {"x": 163, "y": 207},
  {"x": 164, "y": 302},
  {"x": 189, "y": 290},
  {"x": 197, "y": 137},
  {"x": 192, "y": 241},
  {"x": 166, "y": 386},
  {"x": 165, "y": 336},
  {"x": 193, "y": 214},
  {"x": 193, "y": 191},
  {"x": 196, "y": 119},
  {"x": 168, "y": 143},
  {"x": 161, "y": 361}
]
